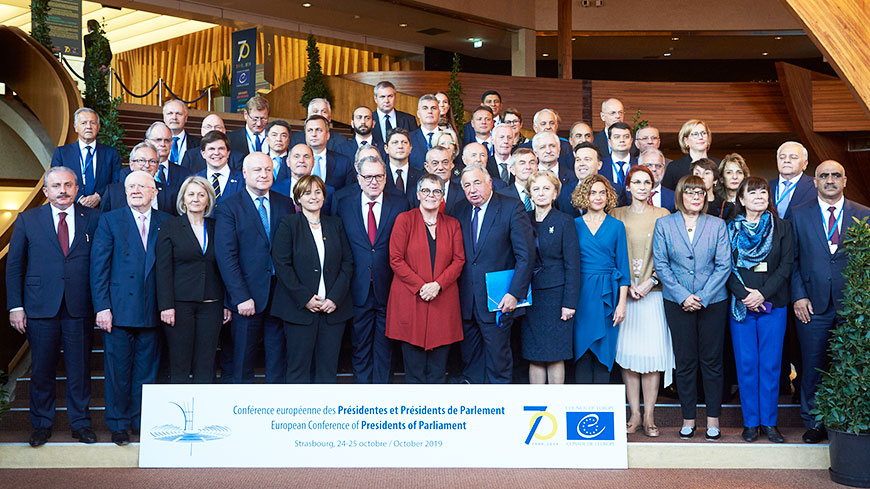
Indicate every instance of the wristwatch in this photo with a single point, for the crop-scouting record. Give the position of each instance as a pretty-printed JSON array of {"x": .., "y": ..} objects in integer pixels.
[{"x": 655, "y": 281}]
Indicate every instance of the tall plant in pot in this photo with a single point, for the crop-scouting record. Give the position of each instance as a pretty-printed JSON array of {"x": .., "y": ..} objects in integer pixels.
[
  {"x": 843, "y": 396},
  {"x": 225, "y": 90}
]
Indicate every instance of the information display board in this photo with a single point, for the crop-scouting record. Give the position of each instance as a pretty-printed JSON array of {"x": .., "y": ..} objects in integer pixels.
[{"x": 65, "y": 26}]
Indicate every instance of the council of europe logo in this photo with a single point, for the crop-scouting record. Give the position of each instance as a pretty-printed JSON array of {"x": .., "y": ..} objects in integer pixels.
[
  {"x": 173, "y": 433},
  {"x": 590, "y": 425}
]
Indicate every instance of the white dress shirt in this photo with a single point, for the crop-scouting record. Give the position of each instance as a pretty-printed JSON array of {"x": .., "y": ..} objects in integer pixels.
[
  {"x": 395, "y": 175},
  {"x": 322, "y": 156},
  {"x": 383, "y": 124},
  {"x": 657, "y": 197},
  {"x": 147, "y": 215},
  {"x": 480, "y": 215},
  {"x": 223, "y": 176},
  {"x": 379, "y": 204},
  {"x": 83, "y": 154},
  {"x": 838, "y": 215}
]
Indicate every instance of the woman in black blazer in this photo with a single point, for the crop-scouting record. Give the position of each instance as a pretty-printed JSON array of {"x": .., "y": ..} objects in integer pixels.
[
  {"x": 314, "y": 265},
  {"x": 190, "y": 295}
]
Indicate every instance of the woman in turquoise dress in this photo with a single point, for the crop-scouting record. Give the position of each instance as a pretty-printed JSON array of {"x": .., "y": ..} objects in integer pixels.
[{"x": 604, "y": 280}]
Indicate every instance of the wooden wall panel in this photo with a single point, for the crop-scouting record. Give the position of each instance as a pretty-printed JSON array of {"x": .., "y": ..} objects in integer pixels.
[{"x": 834, "y": 106}]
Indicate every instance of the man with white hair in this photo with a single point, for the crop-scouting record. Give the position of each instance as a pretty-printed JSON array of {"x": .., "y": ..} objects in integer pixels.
[
  {"x": 143, "y": 157},
  {"x": 421, "y": 138},
  {"x": 168, "y": 173},
  {"x": 792, "y": 188},
  {"x": 546, "y": 147},
  {"x": 547, "y": 120},
  {"x": 175, "y": 117},
  {"x": 322, "y": 107}
]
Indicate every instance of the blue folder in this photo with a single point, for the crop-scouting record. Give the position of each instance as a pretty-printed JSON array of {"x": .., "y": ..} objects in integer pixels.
[{"x": 497, "y": 285}]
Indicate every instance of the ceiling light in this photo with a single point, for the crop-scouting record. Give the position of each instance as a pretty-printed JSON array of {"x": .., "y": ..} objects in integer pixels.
[
  {"x": 471, "y": 38},
  {"x": 667, "y": 54},
  {"x": 764, "y": 54},
  {"x": 675, "y": 39},
  {"x": 403, "y": 25},
  {"x": 306, "y": 4},
  {"x": 478, "y": 43},
  {"x": 778, "y": 38},
  {"x": 545, "y": 54},
  {"x": 573, "y": 38}
]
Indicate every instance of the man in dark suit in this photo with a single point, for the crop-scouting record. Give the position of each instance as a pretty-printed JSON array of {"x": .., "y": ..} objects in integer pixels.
[
  {"x": 498, "y": 236},
  {"x": 224, "y": 181},
  {"x": 168, "y": 173},
  {"x": 252, "y": 137},
  {"x": 245, "y": 225},
  {"x": 580, "y": 132},
  {"x": 322, "y": 107},
  {"x": 502, "y": 144},
  {"x": 438, "y": 162},
  {"x": 299, "y": 163},
  {"x": 363, "y": 134},
  {"x": 646, "y": 138},
  {"x": 792, "y": 188},
  {"x": 820, "y": 227},
  {"x": 193, "y": 159},
  {"x": 387, "y": 117},
  {"x": 546, "y": 147},
  {"x": 491, "y": 99},
  {"x": 523, "y": 164},
  {"x": 95, "y": 165},
  {"x": 143, "y": 157},
  {"x": 476, "y": 154},
  {"x": 175, "y": 118},
  {"x": 278, "y": 140},
  {"x": 401, "y": 176},
  {"x": 368, "y": 216},
  {"x": 481, "y": 123},
  {"x": 612, "y": 111},
  {"x": 615, "y": 165},
  {"x": 421, "y": 138},
  {"x": 124, "y": 291},
  {"x": 49, "y": 300},
  {"x": 659, "y": 196},
  {"x": 334, "y": 168},
  {"x": 587, "y": 161},
  {"x": 547, "y": 120}
]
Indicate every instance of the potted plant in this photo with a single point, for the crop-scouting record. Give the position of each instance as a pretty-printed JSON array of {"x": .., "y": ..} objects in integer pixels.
[
  {"x": 843, "y": 396},
  {"x": 222, "y": 103}
]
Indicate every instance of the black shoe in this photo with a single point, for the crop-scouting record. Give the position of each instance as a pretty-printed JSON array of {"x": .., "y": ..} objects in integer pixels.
[
  {"x": 85, "y": 435},
  {"x": 713, "y": 433},
  {"x": 687, "y": 432},
  {"x": 815, "y": 435},
  {"x": 750, "y": 434},
  {"x": 39, "y": 437},
  {"x": 120, "y": 438},
  {"x": 773, "y": 434}
]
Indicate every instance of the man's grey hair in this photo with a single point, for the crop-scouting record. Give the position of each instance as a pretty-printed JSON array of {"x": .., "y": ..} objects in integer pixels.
[
  {"x": 152, "y": 126},
  {"x": 541, "y": 135},
  {"x": 471, "y": 168},
  {"x": 319, "y": 101},
  {"x": 544, "y": 111},
  {"x": 426, "y": 98},
  {"x": 143, "y": 144},
  {"x": 58, "y": 169},
  {"x": 803, "y": 148},
  {"x": 652, "y": 152},
  {"x": 374, "y": 158},
  {"x": 85, "y": 109}
]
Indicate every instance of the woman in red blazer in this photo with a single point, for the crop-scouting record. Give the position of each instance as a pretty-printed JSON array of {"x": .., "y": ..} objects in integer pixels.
[{"x": 423, "y": 312}]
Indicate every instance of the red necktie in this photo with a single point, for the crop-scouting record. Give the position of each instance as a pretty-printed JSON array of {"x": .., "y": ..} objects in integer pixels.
[
  {"x": 651, "y": 195},
  {"x": 373, "y": 225},
  {"x": 62, "y": 233},
  {"x": 832, "y": 225}
]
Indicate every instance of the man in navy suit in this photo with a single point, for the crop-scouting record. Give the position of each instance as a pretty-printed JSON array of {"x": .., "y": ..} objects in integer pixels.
[
  {"x": 278, "y": 140},
  {"x": 143, "y": 157},
  {"x": 193, "y": 159},
  {"x": 523, "y": 164},
  {"x": 546, "y": 147},
  {"x": 580, "y": 132},
  {"x": 334, "y": 168},
  {"x": 368, "y": 216},
  {"x": 659, "y": 196},
  {"x": 612, "y": 111},
  {"x": 95, "y": 165},
  {"x": 587, "y": 161},
  {"x": 547, "y": 120},
  {"x": 438, "y": 162},
  {"x": 215, "y": 152},
  {"x": 49, "y": 300},
  {"x": 502, "y": 147},
  {"x": 476, "y": 154},
  {"x": 244, "y": 228},
  {"x": 322, "y": 107},
  {"x": 491, "y": 99},
  {"x": 168, "y": 173},
  {"x": 362, "y": 124},
  {"x": 615, "y": 165},
  {"x": 387, "y": 117},
  {"x": 421, "y": 138},
  {"x": 401, "y": 176},
  {"x": 124, "y": 291},
  {"x": 299, "y": 163},
  {"x": 820, "y": 227},
  {"x": 481, "y": 123},
  {"x": 646, "y": 138},
  {"x": 252, "y": 137},
  {"x": 498, "y": 236},
  {"x": 792, "y": 188},
  {"x": 175, "y": 117}
]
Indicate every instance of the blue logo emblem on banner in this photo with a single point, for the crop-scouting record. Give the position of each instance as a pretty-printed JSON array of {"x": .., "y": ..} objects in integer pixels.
[
  {"x": 188, "y": 434},
  {"x": 589, "y": 425}
]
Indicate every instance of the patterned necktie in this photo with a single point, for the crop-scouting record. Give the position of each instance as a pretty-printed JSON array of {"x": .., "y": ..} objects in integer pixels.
[
  {"x": 474, "y": 227},
  {"x": 620, "y": 173},
  {"x": 387, "y": 126},
  {"x": 161, "y": 174},
  {"x": 833, "y": 232},
  {"x": 143, "y": 231},
  {"x": 264, "y": 217},
  {"x": 316, "y": 170},
  {"x": 783, "y": 200},
  {"x": 62, "y": 233},
  {"x": 651, "y": 195},
  {"x": 363, "y": 143},
  {"x": 504, "y": 171},
  {"x": 373, "y": 224},
  {"x": 216, "y": 185},
  {"x": 400, "y": 182},
  {"x": 527, "y": 202},
  {"x": 429, "y": 139},
  {"x": 173, "y": 153}
]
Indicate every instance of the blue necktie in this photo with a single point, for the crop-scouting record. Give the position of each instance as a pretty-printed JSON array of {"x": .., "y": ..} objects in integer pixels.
[
  {"x": 782, "y": 203},
  {"x": 527, "y": 202},
  {"x": 620, "y": 173},
  {"x": 429, "y": 139},
  {"x": 264, "y": 217},
  {"x": 173, "y": 153},
  {"x": 88, "y": 173},
  {"x": 258, "y": 145},
  {"x": 161, "y": 174},
  {"x": 474, "y": 223},
  {"x": 316, "y": 170},
  {"x": 276, "y": 167}
]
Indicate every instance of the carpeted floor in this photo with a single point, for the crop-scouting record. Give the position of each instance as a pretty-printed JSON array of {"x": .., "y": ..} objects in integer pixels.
[{"x": 414, "y": 478}]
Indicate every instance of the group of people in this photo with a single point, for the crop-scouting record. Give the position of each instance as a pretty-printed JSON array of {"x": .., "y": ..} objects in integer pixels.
[{"x": 610, "y": 253}]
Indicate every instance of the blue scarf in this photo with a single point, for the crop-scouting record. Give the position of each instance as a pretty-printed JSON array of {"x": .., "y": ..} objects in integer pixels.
[{"x": 750, "y": 243}]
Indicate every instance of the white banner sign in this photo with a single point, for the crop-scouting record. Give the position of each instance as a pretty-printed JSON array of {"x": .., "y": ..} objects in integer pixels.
[{"x": 570, "y": 426}]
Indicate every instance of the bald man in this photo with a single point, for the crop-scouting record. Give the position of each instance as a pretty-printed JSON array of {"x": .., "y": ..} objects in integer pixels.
[
  {"x": 820, "y": 227},
  {"x": 193, "y": 159},
  {"x": 175, "y": 117}
]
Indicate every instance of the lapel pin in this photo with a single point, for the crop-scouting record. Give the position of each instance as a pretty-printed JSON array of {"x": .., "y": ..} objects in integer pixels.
[{"x": 551, "y": 229}]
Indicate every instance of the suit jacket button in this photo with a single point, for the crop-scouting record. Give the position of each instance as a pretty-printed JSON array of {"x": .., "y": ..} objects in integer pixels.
[
  {"x": 691, "y": 257},
  {"x": 691, "y": 272}
]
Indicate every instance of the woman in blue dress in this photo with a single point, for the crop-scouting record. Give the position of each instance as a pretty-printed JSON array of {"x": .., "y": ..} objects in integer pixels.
[{"x": 604, "y": 280}]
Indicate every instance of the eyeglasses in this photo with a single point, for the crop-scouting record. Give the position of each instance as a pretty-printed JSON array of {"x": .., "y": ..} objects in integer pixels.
[
  {"x": 834, "y": 175},
  {"x": 142, "y": 161},
  {"x": 137, "y": 186},
  {"x": 648, "y": 139},
  {"x": 695, "y": 193},
  {"x": 369, "y": 178},
  {"x": 259, "y": 119},
  {"x": 436, "y": 192},
  {"x": 514, "y": 122},
  {"x": 698, "y": 134}
]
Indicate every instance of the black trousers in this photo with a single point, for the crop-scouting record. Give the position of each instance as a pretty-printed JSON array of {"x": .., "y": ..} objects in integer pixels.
[
  {"x": 425, "y": 366},
  {"x": 698, "y": 338},
  {"x": 319, "y": 342},
  {"x": 193, "y": 341}
]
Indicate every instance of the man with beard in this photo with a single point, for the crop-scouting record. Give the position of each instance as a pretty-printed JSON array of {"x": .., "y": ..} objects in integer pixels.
[{"x": 362, "y": 124}]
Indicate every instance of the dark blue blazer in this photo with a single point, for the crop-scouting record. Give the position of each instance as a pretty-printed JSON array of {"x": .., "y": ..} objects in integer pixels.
[
  {"x": 566, "y": 152},
  {"x": 455, "y": 195},
  {"x": 116, "y": 198},
  {"x": 817, "y": 275},
  {"x": 194, "y": 161},
  {"x": 123, "y": 276},
  {"x": 108, "y": 167},
  {"x": 38, "y": 275},
  {"x": 557, "y": 256},
  {"x": 600, "y": 139},
  {"x": 243, "y": 248},
  {"x": 239, "y": 141},
  {"x": 235, "y": 183},
  {"x": 419, "y": 148},
  {"x": 412, "y": 175},
  {"x": 177, "y": 174},
  {"x": 668, "y": 201},
  {"x": 371, "y": 263},
  {"x": 505, "y": 242},
  {"x": 335, "y": 143},
  {"x": 804, "y": 191},
  {"x": 339, "y": 170},
  {"x": 606, "y": 169},
  {"x": 350, "y": 146},
  {"x": 403, "y": 120},
  {"x": 511, "y": 191}
]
